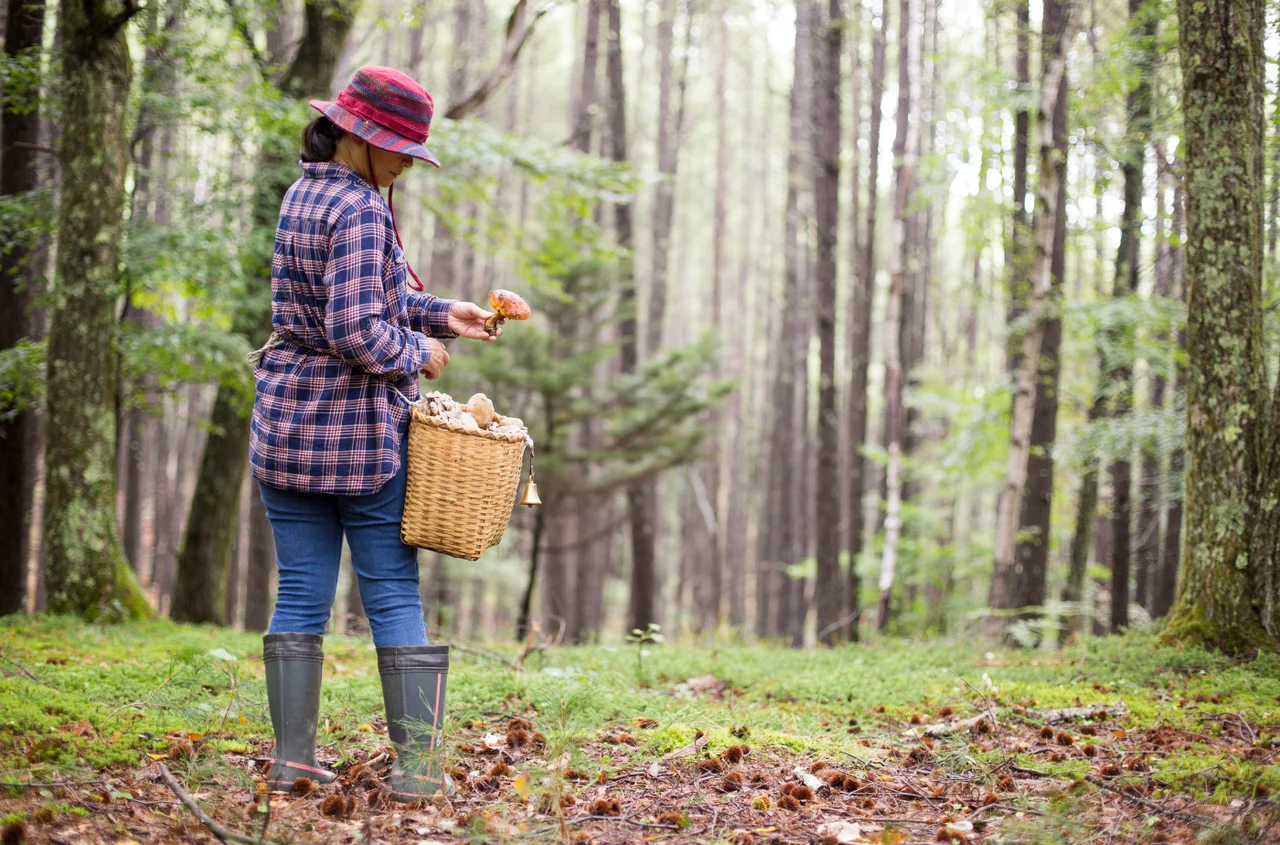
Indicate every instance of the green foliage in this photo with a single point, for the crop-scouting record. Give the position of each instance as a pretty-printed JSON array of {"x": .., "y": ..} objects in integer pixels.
[
  {"x": 546, "y": 371},
  {"x": 21, "y": 378}
]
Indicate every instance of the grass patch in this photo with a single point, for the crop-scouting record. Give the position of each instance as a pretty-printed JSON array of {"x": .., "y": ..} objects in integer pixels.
[{"x": 78, "y": 699}]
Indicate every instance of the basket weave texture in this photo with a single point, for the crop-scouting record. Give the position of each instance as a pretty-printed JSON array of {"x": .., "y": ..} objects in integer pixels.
[{"x": 461, "y": 486}]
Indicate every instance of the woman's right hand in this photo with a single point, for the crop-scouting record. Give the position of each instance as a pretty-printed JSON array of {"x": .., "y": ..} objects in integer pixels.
[{"x": 436, "y": 363}]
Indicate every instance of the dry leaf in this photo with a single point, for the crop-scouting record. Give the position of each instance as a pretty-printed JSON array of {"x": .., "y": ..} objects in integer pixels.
[
  {"x": 654, "y": 769},
  {"x": 690, "y": 749},
  {"x": 844, "y": 832},
  {"x": 494, "y": 741}
]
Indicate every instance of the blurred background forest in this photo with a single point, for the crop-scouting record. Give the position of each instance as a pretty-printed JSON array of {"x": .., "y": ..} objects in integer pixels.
[{"x": 782, "y": 258}]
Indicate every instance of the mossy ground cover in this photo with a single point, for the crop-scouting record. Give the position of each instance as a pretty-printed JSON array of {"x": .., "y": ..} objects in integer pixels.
[{"x": 1122, "y": 741}]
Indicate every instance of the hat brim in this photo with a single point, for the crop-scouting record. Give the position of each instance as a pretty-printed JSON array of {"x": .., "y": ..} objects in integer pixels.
[{"x": 373, "y": 133}]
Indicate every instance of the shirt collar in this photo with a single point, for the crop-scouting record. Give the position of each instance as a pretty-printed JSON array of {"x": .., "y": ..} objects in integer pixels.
[{"x": 330, "y": 170}]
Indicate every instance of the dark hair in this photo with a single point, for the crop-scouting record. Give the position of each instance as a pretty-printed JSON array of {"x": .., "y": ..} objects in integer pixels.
[{"x": 320, "y": 139}]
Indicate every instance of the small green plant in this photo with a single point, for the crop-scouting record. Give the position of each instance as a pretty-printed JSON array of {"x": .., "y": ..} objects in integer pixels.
[{"x": 652, "y": 635}]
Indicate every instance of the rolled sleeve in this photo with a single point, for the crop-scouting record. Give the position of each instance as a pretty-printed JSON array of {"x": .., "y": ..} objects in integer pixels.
[
  {"x": 430, "y": 315},
  {"x": 354, "y": 319}
]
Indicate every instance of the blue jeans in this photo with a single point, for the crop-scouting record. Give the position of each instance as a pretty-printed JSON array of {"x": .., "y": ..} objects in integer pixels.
[{"x": 308, "y": 529}]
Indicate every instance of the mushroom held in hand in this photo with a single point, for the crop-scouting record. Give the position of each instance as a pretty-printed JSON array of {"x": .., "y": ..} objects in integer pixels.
[
  {"x": 481, "y": 409},
  {"x": 506, "y": 306}
]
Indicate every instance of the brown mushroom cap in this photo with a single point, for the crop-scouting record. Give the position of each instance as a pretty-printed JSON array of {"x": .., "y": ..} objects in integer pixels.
[{"x": 509, "y": 305}]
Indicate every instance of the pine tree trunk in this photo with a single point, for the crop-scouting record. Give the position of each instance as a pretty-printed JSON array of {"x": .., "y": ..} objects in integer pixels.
[
  {"x": 21, "y": 268},
  {"x": 710, "y": 578},
  {"x": 1031, "y": 554},
  {"x": 787, "y": 435},
  {"x": 85, "y": 568},
  {"x": 1147, "y": 553},
  {"x": 1127, "y": 265},
  {"x": 826, "y": 116},
  {"x": 1019, "y": 257},
  {"x": 1048, "y": 196},
  {"x": 860, "y": 343},
  {"x": 1165, "y": 584},
  {"x": 1082, "y": 538},
  {"x": 445, "y": 245},
  {"x": 904, "y": 142},
  {"x": 1218, "y": 603}
]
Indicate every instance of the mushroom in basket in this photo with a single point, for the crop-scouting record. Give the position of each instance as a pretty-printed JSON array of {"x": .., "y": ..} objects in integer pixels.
[{"x": 506, "y": 306}]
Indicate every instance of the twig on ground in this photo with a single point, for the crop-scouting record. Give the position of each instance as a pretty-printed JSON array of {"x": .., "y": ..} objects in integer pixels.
[
  {"x": 24, "y": 670},
  {"x": 1150, "y": 805},
  {"x": 1116, "y": 709},
  {"x": 190, "y": 803},
  {"x": 68, "y": 785}
]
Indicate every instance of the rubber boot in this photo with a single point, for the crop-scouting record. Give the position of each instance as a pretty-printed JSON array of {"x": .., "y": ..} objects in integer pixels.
[
  {"x": 294, "y": 663},
  {"x": 414, "y": 679}
]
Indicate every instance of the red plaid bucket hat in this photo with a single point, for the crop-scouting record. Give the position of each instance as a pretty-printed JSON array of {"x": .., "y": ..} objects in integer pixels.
[
  {"x": 390, "y": 111},
  {"x": 385, "y": 108}
]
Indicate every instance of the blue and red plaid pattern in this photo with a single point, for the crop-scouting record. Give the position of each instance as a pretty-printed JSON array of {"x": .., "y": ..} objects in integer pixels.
[{"x": 329, "y": 416}]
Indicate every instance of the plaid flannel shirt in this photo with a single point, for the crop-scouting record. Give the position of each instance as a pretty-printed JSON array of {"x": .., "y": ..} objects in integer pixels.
[{"x": 328, "y": 416}]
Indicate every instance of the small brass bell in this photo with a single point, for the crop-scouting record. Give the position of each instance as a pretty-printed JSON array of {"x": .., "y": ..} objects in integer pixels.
[{"x": 530, "y": 497}]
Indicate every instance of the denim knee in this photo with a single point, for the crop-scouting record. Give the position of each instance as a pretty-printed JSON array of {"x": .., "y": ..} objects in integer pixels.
[{"x": 308, "y": 539}]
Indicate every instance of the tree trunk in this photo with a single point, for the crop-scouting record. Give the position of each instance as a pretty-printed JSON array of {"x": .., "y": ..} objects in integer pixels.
[
  {"x": 202, "y": 563},
  {"x": 1147, "y": 553},
  {"x": 21, "y": 268},
  {"x": 1082, "y": 539},
  {"x": 444, "y": 277},
  {"x": 826, "y": 116},
  {"x": 670, "y": 127},
  {"x": 860, "y": 343},
  {"x": 1019, "y": 258},
  {"x": 1166, "y": 578},
  {"x": 1219, "y": 603},
  {"x": 787, "y": 435},
  {"x": 1133, "y": 158},
  {"x": 85, "y": 568},
  {"x": 1031, "y": 555},
  {"x": 904, "y": 142},
  {"x": 1004, "y": 576},
  {"x": 261, "y": 564}
]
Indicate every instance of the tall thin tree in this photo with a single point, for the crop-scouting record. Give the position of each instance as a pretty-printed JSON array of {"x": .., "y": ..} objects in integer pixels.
[
  {"x": 826, "y": 137},
  {"x": 21, "y": 267}
]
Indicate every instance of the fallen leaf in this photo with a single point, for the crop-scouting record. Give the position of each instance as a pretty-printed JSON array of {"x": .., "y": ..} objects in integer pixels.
[
  {"x": 561, "y": 762},
  {"x": 654, "y": 769},
  {"x": 521, "y": 786},
  {"x": 844, "y": 832},
  {"x": 495, "y": 741},
  {"x": 691, "y": 748}
]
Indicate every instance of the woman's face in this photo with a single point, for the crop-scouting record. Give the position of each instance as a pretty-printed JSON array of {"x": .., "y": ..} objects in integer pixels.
[{"x": 388, "y": 166}]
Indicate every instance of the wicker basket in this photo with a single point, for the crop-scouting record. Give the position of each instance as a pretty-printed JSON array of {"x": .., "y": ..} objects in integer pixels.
[{"x": 461, "y": 486}]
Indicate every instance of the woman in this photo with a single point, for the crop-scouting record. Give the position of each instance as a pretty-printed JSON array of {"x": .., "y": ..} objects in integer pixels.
[{"x": 328, "y": 442}]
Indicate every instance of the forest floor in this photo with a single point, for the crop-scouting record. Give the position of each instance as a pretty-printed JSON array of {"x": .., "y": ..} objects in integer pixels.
[{"x": 1119, "y": 741}]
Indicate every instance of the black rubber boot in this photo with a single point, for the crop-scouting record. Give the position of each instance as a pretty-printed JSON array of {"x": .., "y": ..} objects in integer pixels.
[
  {"x": 294, "y": 663},
  {"x": 414, "y": 679}
]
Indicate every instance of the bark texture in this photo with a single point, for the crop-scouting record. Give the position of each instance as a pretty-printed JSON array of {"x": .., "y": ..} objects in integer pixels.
[
  {"x": 86, "y": 573},
  {"x": 1031, "y": 555},
  {"x": 21, "y": 266},
  {"x": 827, "y": 491},
  {"x": 1038, "y": 316},
  {"x": 1223, "y": 594}
]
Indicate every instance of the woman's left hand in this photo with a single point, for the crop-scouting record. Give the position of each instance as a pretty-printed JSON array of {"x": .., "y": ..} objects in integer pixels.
[{"x": 466, "y": 319}]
